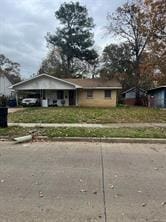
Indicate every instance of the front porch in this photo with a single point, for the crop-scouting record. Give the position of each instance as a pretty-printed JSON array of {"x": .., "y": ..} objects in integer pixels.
[
  {"x": 51, "y": 97},
  {"x": 50, "y": 91}
]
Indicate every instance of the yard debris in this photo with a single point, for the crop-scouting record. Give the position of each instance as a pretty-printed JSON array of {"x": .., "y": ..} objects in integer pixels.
[
  {"x": 156, "y": 168},
  {"x": 163, "y": 203},
  {"x": 25, "y": 145},
  {"x": 139, "y": 191},
  {"x": 83, "y": 191},
  {"x": 41, "y": 194},
  {"x": 153, "y": 148},
  {"x": 90, "y": 219},
  {"x": 23, "y": 139},
  {"x": 118, "y": 195},
  {"x": 143, "y": 204},
  {"x": 32, "y": 131},
  {"x": 95, "y": 192},
  {"x": 112, "y": 186},
  {"x": 3, "y": 139}
]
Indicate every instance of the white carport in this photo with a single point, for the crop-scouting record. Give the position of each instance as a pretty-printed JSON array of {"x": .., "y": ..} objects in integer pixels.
[{"x": 45, "y": 87}]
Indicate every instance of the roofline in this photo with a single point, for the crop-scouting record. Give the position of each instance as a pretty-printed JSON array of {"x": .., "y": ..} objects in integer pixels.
[
  {"x": 128, "y": 90},
  {"x": 132, "y": 89},
  {"x": 38, "y": 76},
  {"x": 158, "y": 87},
  {"x": 105, "y": 87},
  {"x": 65, "y": 81}
]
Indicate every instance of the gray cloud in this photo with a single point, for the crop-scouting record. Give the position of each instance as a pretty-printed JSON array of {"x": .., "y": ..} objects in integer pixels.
[{"x": 25, "y": 23}]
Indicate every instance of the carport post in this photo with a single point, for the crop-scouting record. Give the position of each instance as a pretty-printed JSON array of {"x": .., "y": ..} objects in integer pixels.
[
  {"x": 17, "y": 98},
  {"x": 76, "y": 98}
]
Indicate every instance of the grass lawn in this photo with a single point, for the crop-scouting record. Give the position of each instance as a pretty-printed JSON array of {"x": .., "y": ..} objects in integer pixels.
[
  {"x": 12, "y": 132},
  {"x": 88, "y": 115}
]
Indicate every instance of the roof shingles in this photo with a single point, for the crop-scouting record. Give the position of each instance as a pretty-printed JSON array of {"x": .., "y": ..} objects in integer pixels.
[{"x": 95, "y": 83}]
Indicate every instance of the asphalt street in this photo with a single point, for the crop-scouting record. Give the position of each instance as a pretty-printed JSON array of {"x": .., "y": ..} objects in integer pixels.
[{"x": 82, "y": 182}]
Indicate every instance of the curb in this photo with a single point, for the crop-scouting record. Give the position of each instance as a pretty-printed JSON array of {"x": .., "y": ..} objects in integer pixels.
[
  {"x": 94, "y": 139},
  {"x": 105, "y": 140}
]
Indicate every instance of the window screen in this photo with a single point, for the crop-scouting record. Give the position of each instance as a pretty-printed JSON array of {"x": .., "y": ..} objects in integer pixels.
[
  {"x": 60, "y": 94},
  {"x": 107, "y": 93},
  {"x": 89, "y": 93}
]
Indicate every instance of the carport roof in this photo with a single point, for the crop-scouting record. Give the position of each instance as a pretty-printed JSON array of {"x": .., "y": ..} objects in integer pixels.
[{"x": 44, "y": 75}]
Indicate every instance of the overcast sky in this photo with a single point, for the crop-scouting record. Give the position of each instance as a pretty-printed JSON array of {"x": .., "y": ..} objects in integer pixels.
[{"x": 25, "y": 23}]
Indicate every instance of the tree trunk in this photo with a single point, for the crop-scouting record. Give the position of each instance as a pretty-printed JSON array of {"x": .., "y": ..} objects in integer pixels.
[
  {"x": 68, "y": 64},
  {"x": 137, "y": 81}
]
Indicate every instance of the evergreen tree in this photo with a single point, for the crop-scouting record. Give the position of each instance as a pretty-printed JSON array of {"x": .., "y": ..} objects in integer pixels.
[{"x": 74, "y": 37}]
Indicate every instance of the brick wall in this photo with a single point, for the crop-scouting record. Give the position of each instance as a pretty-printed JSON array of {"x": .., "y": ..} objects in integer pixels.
[{"x": 98, "y": 99}]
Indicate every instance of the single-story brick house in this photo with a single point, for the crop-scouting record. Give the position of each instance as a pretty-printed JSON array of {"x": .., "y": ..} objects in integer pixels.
[
  {"x": 157, "y": 97},
  {"x": 70, "y": 92}
]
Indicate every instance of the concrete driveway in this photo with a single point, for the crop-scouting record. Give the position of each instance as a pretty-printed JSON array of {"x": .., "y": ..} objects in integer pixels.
[
  {"x": 14, "y": 110},
  {"x": 82, "y": 182}
]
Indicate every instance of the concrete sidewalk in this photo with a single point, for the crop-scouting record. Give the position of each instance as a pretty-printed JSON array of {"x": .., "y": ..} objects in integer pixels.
[{"x": 88, "y": 125}]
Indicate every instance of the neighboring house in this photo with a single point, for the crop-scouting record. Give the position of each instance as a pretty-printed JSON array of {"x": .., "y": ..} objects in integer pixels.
[
  {"x": 157, "y": 97},
  {"x": 5, "y": 82},
  {"x": 70, "y": 92},
  {"x": 129, "y": 96}
]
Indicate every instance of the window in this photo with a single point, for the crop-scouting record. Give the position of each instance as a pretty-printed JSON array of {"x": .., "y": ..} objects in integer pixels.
[
  {"x": 60, "y": 94},
  {"x": 108, "y": 94},
  {"x": 89, "y": 93}
]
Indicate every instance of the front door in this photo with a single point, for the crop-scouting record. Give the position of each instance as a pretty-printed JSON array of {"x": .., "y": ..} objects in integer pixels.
[
  {"x": 165, "y": 98},
  {"x": 72, "y": 98}
]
